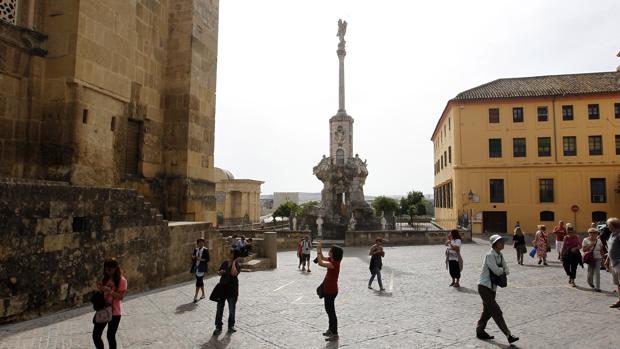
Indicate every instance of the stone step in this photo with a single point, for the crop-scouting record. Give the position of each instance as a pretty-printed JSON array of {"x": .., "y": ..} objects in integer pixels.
[
  {"x": 255, "y": 264},
  {"x": 247, "y": 259}
]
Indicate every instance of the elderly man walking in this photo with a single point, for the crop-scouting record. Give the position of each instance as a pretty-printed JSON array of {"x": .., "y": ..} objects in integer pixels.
[
  {"x": 494, "y": 265},
  {"x": 612, "y": 262}
]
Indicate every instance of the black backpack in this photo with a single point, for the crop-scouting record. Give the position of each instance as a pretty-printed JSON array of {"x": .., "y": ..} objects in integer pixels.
[{"x": 98, "y": 301}]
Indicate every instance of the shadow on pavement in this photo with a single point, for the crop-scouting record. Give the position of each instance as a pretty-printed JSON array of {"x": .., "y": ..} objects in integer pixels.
[
  {"x": 501, "y": 345},
  {"x": 382, "y": 293},
  {"x": 331, "y": 345},
  {"x": 186, "y": 307},
  {"x": 542, "y": 266},
  {"x": 215, "y": 342},
  {"x": 466, "y": 290}
]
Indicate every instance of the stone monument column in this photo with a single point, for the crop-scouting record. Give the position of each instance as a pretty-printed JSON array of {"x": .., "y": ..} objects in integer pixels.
[{"x": 341, "y": 52}]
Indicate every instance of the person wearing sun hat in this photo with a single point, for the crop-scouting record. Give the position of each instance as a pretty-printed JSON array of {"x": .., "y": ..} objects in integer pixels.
[{"x": 494, "y": 262}]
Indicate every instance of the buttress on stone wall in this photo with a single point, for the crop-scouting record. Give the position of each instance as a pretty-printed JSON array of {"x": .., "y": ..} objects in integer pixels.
[{"x": 115, "y": 93}]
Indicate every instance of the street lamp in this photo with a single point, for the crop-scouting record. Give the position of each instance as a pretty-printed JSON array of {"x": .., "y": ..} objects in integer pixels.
[{"x": 470, "y": 197}]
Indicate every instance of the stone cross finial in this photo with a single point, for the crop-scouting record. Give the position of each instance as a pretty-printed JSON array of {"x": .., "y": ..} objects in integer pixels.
[{"x": 618, "y": 69}]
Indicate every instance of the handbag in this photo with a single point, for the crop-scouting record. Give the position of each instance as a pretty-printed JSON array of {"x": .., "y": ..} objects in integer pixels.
[
  {"x": 103, "y": 316},
  {"x": 499, "y": 280},
  {"x": 221, "y": 290},
  {"x": 320, "y": 291},
  {"x": 218, "y": 293},
  {"x": 588, "y": 257},
  {"x": 533, "y": 252},
  {"x": 103, "y": 310}
]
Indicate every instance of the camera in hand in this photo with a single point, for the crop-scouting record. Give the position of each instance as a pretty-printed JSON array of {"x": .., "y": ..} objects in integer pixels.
[{"x": 316, "y": 260}]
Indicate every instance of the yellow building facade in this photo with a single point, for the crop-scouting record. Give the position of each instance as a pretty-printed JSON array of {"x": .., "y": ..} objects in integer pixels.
[{"x": 529, "y": 150}]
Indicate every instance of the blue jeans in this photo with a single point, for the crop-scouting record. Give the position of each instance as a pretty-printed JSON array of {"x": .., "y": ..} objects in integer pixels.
[
  {"x": 232, "y": 304},
  {"x": 376, "y": 272}
]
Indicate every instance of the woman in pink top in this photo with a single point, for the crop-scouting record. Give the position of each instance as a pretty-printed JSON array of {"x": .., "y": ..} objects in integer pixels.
[{"x": 113, "y": 285}]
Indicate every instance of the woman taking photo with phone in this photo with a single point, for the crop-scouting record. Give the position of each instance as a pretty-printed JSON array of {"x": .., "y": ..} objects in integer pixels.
[
  {"x": 330, "y": 286},
  {"x": 113, "y": 286}
]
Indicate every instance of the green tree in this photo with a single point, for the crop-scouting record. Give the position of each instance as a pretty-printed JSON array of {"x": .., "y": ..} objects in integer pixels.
[
  {"x": 385, "y": 204},
  {"x": 409, "y": 203},
  {"x": 420, "y": 208},
  {"x": 287, "y": 209}
]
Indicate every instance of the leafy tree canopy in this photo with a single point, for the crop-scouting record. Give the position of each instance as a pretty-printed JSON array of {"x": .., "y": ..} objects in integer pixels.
[
  {"x": 409, "y": 204},
  {"x": 385, "y": 204},
  {"x": 287, "y": 209}
]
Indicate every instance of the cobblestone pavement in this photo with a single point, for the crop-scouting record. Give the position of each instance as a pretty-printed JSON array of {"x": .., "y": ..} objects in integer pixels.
[{"x": 279, "y": 309}]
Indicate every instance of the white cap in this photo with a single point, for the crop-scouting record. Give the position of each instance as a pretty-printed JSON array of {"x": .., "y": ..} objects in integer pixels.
[{"x": 494, "y": 238}]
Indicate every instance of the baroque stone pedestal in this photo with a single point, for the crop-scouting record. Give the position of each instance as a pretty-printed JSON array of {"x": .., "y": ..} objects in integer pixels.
[{"x": 342, "y": 196}]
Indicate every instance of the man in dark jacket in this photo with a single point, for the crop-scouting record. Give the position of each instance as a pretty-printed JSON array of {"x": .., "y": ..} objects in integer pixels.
[
  {"x": 200, "y": 260},
  {"x": 376, "y": 253}
]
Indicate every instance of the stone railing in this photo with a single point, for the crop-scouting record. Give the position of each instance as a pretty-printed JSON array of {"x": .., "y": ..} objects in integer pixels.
[
  {"x": 401, "y": 237},
  {"x": 286, "y": 240}
]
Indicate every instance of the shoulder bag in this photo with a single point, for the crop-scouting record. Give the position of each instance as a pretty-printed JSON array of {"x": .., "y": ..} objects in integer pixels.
[
  {"x": 103, "y": 310},
  {"x": 221, "y": 289},
  {"x": 588, "y": 257},
  {"x": 320, "y": 291},
  {"x": 499, "y": 280}
]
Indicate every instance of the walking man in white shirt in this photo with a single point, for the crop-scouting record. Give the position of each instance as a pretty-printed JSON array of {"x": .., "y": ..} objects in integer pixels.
[{"x": 306, "y": 249}]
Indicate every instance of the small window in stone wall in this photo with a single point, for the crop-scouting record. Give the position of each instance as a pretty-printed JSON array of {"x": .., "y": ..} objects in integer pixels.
[
  {"x": 79, "y": 224},
  {"x": 85, "y": 116},
  {"x": 8, "y": 11},
  {"x": 113, "y": 124}
]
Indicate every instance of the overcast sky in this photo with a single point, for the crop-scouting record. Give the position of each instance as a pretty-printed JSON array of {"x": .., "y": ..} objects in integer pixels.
[{"x": 277, "y": 83}]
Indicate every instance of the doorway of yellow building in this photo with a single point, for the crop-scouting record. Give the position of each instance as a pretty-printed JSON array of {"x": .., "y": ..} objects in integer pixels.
[{"x": 494, "y": 222}]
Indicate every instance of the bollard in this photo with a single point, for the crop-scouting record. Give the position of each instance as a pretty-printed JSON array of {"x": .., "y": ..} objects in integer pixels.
[{"x": 271, "y": 248}]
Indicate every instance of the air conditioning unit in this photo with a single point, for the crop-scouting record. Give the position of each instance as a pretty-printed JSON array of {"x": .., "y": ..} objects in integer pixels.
[{"x": 598, "y": 198}]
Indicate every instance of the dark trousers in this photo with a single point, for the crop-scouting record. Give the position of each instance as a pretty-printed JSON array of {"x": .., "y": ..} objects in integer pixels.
[
  {"x": 375, "y": 272},
  {"x": 330, "y": 309},
  {"x": 232, "y": 304},
  {"x": 112, "y": 327},
  {"x": 490, "y": 309},
  {"x": 520, "y": 251},
  {"x": 455, "y": 269},
  {"x": 570, "y": 262}
]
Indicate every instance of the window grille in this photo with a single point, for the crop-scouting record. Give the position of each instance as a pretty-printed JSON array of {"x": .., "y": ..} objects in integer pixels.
[{"x": 8, "y": 11}]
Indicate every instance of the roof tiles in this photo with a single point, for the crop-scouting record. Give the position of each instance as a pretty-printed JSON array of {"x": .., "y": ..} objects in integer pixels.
[{"x": 542, "y": 86}]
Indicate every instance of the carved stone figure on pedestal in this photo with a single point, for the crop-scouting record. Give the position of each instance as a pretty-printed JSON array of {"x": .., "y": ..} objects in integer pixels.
[
  {"x": 319, "y": 227},
  {"x": 383, "y": 221},
  {"x": 352, "y": 223}
]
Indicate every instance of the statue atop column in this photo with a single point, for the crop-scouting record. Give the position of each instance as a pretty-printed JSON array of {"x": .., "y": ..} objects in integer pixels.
[{"x": 342, "y": 30}]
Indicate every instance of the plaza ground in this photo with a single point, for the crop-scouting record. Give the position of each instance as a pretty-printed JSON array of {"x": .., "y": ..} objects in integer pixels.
[{"x": 279, "y": 309}]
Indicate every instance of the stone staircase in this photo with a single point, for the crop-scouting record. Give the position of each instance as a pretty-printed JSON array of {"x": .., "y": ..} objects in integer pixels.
[{"x": 253, "y": 263}]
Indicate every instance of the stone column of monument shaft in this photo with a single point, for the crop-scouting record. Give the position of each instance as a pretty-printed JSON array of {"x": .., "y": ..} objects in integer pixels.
[{"x": 341, "y": 53}]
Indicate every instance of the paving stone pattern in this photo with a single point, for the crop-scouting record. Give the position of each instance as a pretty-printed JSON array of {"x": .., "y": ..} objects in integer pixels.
[{"x": 279, "y": 309}]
